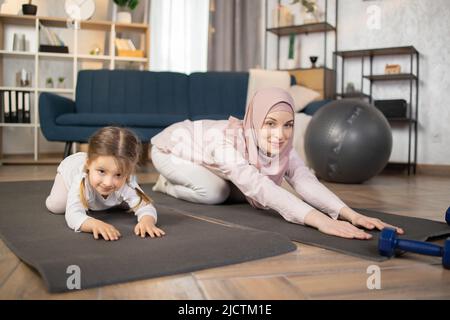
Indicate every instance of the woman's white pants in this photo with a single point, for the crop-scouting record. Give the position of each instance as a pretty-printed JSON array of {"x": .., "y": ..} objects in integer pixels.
[{"x": 192, "y": 182}]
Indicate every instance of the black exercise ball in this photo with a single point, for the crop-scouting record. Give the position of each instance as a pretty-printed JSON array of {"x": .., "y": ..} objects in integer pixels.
[{"x": 348, "y": 141}]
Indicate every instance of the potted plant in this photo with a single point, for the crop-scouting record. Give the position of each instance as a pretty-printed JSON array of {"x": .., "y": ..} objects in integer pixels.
[
  {"x": 310, "y": 12},
  {"x": 124, "y": 15},
  {"x": 61, "y": 83},
  {"x": 49, "y": 83},
  {"x": 29, "y": 8}
]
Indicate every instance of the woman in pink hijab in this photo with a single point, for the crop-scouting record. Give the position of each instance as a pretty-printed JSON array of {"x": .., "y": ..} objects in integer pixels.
[{"x": 210, "y": 161}]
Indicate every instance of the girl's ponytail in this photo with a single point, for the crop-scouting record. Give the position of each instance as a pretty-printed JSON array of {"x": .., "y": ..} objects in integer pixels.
[
  {"x": 144, "y": 198},
  {"x": 83, "y": 194}
]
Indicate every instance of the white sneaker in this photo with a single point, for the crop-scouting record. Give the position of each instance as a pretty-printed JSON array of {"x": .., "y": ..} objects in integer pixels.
[{"x": 160, "y": 185}]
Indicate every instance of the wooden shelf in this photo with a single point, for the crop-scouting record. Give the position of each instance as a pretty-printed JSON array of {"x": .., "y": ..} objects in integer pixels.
[
  {"x": 356, "y": 95},
  {"x": 65, "y": 23},
  {"x": 392, "y": 77},
  {"x": 18, "y": 53},
  {"x": 17, "y": 125},
  {"x": 54, "y": 22},
  {"x": 306, "y": 69},
  {"x": 23, "y": 89},
  {"x": 137, "y": 27},
  {"x": 93, "y": 57},
  {"x": 56, "y": 55},
  {"x": 55, "y": 90},
  {"x": 96, "y": 25},
  {"x": 130, "y": 59},
  {"x": 13, "y": 19},
  {"x": 302, "y": 29},
  {"x": 377, "y": 52}
]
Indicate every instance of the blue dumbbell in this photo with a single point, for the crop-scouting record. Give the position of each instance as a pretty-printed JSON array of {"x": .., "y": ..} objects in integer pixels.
[
  {"x": 447, "y": 216},
  {"x": 389, "y": 243}
]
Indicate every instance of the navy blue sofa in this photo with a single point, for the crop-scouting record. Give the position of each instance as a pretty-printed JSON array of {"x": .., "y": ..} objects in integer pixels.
[{"x": 145, "y": 101}]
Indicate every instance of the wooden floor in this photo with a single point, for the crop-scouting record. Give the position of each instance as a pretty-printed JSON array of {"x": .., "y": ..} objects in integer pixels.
[{"x": 307, "y": 273}]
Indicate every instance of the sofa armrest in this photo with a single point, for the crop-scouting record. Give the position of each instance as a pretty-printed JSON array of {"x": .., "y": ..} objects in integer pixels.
[{"x": 52, "y": 106}]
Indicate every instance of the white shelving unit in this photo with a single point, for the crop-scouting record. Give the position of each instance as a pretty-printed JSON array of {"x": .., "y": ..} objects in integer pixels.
[{"x": 76, "y": 57}]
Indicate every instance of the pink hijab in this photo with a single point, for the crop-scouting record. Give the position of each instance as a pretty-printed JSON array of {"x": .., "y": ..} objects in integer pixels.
[{"x": 263, "y": 102}]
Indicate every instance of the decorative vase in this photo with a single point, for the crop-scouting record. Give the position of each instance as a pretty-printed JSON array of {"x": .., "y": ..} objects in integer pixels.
[
  {"x": 29, "y": 9},
  {"x": 123, "y": 17},
  {"x": 313, "y": 60},
  {"x": 23, "y": 78},
  {"x": 282, "y": 17},
  {"x": 309, "y": 16},
  {"x": 350, "y": 88}
]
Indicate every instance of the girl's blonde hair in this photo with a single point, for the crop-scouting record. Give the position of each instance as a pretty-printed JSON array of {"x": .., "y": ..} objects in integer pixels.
[{"x": 124, "y": 146}]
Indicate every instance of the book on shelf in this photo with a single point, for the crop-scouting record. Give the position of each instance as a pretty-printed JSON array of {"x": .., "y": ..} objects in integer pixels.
[
  {"x": 53, "y": 49},
  {"x": 49, "y": 37},
  {"x": 26, "y": 108},
  {"x": 20, "y": 106},
  {"x": 15, "y": 106},
  {"x": 50, "y": 41},
  {"x": 126, "y": 48},
  {"x": 130, "y": 45},
  {"x": 6, "y": 107}
]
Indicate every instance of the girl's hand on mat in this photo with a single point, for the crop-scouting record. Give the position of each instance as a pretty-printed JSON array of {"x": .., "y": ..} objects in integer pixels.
[
  {"x": 98, "y": 227},
  {"x": 147, "y": 225},
  {"x": 333, "y": 227},
  {"x": 360, "y": 220}
]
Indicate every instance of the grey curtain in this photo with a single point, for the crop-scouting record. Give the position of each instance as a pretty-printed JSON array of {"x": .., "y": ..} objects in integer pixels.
[{"x": 234, "y": 42}]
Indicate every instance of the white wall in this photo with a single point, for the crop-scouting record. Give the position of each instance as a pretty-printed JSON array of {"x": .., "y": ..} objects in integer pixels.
[{"x": 424, "y": 24}]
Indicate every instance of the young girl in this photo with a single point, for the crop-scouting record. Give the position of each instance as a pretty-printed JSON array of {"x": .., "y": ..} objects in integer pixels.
[
  {"x": 101, "y": 179},
  {"x": 208, "y": 161}
]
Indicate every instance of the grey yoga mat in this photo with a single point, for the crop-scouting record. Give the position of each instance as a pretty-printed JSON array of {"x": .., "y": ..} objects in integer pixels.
[
  {"x": 243, "y": 214},
  {"x": 44, "y": 241}
]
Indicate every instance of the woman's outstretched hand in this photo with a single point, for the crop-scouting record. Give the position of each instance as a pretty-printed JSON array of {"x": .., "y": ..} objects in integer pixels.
[
  {"x": 337, "y": 228},
  {"x": 369, "y": 223},
  {"x": 351, "y": 228},
  {"x": 343, "y": 229}
]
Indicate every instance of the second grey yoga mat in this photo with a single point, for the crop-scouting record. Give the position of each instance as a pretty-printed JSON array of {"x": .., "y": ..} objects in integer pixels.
[
  {"x": 44, "y": 241},
  {"x": 268, "y": 220}
]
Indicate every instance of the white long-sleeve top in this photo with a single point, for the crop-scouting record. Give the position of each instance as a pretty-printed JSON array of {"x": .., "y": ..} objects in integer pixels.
[
  {"x": 71, "y": 169},
  {"x": 204, "y": 143}
]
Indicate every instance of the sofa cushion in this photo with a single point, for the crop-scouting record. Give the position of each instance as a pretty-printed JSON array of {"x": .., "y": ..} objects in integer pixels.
[
  {"x": 129, "y": 119},
  {"x": 217, "y": 93},
  {"x": 312, "y": 107},
  {"x": 132, "y": 91}
]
